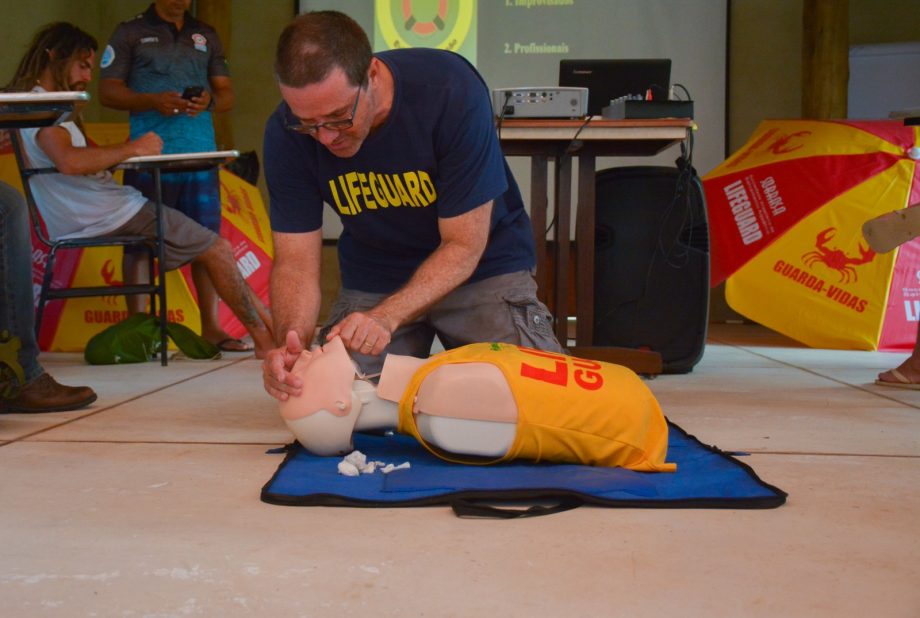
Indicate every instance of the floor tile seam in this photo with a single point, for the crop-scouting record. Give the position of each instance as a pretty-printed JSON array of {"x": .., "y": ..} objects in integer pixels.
[
  {"x": 119, "y": 403},
  {"x": 737, "y": 452},
  {"x": 165, "y": 442},
  {"x": 826, "y": 377},
  {"x": 747, "y": 452}
]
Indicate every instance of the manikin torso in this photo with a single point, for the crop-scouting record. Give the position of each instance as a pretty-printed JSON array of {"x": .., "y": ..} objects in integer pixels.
[{"x": 465, "y": 409}]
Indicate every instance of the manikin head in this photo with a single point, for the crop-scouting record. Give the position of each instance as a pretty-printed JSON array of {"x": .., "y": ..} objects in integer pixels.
[
  {"x": 335, "y": 401},
  {"x": 323, "y": 417}
]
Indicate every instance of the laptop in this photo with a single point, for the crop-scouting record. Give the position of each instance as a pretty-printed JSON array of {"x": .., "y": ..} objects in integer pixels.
[{"x": 612, "y": 79}]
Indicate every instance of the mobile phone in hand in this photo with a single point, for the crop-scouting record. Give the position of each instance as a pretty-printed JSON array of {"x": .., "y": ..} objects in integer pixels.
[{"x": 192, "y": 92}]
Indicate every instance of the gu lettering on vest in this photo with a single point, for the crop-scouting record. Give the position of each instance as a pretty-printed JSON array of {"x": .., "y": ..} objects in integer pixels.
[{"x": 355, "y": 192}]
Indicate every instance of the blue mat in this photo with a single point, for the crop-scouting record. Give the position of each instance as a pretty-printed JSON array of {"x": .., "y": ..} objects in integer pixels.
[{"x": 706, "y": 477}]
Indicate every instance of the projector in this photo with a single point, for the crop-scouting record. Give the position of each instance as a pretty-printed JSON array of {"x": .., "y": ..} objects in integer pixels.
[{"x": 549, "y": 102}]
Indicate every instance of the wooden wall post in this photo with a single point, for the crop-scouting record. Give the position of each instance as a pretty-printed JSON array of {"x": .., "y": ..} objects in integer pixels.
[{"x": 825, "y": 58}]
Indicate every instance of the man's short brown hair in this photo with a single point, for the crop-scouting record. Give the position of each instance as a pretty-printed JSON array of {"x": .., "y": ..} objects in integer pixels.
[{"x": 315, "y": 43}]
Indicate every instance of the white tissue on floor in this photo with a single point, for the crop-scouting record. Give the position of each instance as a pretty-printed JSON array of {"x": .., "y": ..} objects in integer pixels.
[
  {"x": 360, "y": 462},
  {"x": 390, "y": 467},
  {"x": 356, "y": 463},
  {"x": 348, "y": 469}
]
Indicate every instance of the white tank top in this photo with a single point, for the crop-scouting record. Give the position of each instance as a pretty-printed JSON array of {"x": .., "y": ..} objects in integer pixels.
[{"x": 78, "y": 206}]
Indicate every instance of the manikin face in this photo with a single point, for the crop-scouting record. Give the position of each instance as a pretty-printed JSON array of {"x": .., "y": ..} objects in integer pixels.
[
  {"x": 327, "y": 375},
  {"x": 323, "y": 417},
  {"x": 330, "y": 100}
]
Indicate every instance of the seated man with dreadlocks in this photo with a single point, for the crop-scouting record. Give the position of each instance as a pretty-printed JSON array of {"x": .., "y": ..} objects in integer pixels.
[{"x": 84, "y": 201}]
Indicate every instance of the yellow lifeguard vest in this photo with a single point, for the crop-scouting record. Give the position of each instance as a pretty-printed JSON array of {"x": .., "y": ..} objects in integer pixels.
[{"x": 570, "y": 410}]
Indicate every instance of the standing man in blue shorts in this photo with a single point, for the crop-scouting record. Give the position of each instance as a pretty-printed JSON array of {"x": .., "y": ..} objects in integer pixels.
[
  {"x": 169, "y": 71},
  {"x": 436, "y": 241}
]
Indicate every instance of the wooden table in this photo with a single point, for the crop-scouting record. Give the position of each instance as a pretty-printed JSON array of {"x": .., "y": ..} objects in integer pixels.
[{"x": 561, "y": 140}]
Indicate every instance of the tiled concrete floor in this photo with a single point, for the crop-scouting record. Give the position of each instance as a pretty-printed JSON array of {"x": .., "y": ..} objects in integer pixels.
[{"x": 147, "y": 504}]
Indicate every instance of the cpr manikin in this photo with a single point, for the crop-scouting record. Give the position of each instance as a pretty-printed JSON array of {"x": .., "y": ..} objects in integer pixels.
[{"x": 483, "y": 403}]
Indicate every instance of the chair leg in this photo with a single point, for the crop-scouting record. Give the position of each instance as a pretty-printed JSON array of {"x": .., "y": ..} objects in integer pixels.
[
  {"x": 38, "y": 316},
  {"x": 164, "y": 313},
  {"x": 164, "y": 320},
  {"x": 151, "y": 278},
  {"x": 43, "y": 295},
  {"x": 160, "y": 252}
]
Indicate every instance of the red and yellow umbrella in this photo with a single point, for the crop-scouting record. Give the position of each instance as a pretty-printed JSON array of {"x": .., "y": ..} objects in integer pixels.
[{"x": 786, "y": 215}]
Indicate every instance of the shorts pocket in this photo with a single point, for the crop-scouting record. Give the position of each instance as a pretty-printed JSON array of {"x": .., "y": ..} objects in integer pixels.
[{"x": 533, "y": 323}]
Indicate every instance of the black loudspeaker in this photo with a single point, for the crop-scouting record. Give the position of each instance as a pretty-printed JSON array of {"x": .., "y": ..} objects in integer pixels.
[{"x": 651, "y": 272}]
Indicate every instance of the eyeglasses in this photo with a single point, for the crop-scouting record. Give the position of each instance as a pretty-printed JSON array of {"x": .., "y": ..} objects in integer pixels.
[{"x": 333, "y": 125}]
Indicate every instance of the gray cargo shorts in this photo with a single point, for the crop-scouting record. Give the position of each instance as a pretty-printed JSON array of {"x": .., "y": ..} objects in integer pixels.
[
  {"x": 501, "y": 309},
  {"x": 185, "y": 238}
]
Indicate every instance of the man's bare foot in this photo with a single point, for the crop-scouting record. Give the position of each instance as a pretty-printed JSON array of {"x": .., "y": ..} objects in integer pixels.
[{"x": 907, "y": 374}]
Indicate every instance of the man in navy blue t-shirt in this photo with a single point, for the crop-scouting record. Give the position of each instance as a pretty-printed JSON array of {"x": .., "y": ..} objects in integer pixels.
[{"x": 402, "y": 146}]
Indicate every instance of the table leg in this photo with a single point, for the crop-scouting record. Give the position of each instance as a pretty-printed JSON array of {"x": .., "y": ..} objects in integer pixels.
[
  {"x": 538, "y": 205},
  {"x": 561, "y": 231},
  {"x": 584, "y": 247},
  {"x": 161, "y": 292}
]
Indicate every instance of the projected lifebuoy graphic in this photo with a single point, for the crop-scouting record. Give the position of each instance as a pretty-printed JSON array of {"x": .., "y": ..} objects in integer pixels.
[{"x": 442, "y": 24}]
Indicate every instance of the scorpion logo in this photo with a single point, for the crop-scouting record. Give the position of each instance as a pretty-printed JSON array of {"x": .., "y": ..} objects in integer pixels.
[{"x": 836, "y": 259}]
